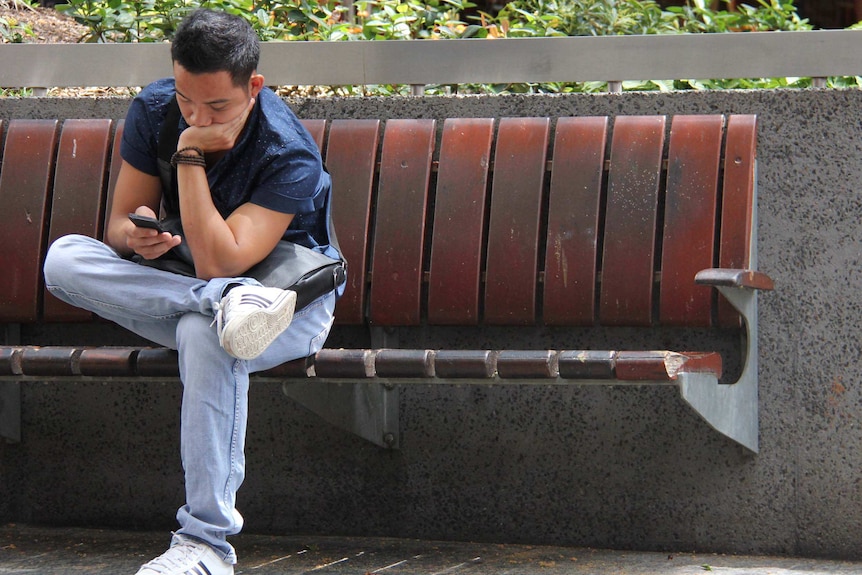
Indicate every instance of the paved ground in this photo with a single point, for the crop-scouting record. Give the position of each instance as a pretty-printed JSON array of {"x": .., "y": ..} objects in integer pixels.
[{"x": 48, "y": 551}]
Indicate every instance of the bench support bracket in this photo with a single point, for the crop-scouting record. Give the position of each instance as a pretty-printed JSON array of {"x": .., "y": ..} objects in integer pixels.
[
  {"x": 369, "y": 409},
  {"x": 731, "y": 408}
]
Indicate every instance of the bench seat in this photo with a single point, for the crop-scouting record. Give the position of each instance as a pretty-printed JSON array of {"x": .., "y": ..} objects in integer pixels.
[{"x": 483, "y": 230}]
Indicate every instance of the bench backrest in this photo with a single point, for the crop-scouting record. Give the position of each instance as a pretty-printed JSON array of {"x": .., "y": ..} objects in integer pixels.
[{"x": 518, "y": 221}]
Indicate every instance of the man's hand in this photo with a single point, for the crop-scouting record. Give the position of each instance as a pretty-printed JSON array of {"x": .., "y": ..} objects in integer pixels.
[
  {"x": 147, "y": 242},
  {"x": 216, "y": 137}
]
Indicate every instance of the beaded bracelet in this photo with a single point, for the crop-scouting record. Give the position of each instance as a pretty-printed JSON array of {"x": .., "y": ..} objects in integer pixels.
[{"x": 189, "y": 159}]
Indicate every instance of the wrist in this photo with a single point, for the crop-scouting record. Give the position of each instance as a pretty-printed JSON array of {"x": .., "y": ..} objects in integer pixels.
[{"x": 189, "y": 155}]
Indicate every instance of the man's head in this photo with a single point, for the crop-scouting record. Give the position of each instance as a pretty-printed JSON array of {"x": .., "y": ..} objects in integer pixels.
[
  {"x": 207, "y": 41},
  {"x": 215, "y": 57}
]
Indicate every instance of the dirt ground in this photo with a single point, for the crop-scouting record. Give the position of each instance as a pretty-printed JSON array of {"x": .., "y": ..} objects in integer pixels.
[
  {"x": 48, "y": 25},
  {"x": 52, "y": 26}
]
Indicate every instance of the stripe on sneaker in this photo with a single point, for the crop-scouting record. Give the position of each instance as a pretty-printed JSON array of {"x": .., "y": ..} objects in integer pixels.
[{"x": 255, "y": 299}]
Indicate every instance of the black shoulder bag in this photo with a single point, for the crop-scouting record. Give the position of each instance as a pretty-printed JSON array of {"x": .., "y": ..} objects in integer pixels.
[{"x": 289, "y": 266}]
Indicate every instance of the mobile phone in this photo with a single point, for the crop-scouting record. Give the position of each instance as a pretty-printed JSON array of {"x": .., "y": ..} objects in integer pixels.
[{"x": 146, "y": 222}]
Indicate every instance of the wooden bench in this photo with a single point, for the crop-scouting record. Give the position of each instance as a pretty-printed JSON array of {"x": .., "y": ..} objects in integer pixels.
[{"x": 480, "y": 251}]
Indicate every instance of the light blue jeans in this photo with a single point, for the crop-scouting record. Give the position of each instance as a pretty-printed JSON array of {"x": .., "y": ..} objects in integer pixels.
[{"x": 176, "y": 311}]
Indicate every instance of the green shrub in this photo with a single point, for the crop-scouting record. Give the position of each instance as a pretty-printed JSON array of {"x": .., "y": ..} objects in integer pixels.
[
  {"x": 538, "y": 18},
  {"x": 521, "y": 18},
  {"x": 156, "y": 20}
]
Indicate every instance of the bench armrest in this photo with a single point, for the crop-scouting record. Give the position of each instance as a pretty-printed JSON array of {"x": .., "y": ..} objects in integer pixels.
[{"x": 734, "y": 278}]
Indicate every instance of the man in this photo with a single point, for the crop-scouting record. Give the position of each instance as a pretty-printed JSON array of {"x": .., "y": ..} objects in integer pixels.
[{"x": 247, "y": 176}]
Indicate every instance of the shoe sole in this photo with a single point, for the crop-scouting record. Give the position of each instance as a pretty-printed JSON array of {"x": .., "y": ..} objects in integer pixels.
[{"x": 250, "y": 337}]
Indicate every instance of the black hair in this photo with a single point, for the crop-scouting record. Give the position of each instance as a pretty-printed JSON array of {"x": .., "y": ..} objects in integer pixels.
[{"x": 208, "y": 41}]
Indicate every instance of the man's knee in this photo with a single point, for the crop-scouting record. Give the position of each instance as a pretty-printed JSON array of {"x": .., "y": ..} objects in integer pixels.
[
  {"x": 60, "y": 258},
  {"x": 195, "y": 331}
]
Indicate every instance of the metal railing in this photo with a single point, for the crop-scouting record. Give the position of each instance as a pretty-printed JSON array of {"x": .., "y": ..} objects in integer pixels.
[{"x": 816, "y": 53}]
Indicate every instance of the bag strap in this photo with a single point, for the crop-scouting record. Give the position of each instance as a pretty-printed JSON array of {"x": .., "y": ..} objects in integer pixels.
[{"x": 167, "y": 145}]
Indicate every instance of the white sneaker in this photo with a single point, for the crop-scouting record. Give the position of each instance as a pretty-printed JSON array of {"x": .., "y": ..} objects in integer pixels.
[
  {"x": 251, "y": 317},
  {"x": 187, "y": 557}
]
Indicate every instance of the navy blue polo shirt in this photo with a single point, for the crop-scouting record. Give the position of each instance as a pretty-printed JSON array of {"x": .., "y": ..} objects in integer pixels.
[{"x": 275, "y": 163}]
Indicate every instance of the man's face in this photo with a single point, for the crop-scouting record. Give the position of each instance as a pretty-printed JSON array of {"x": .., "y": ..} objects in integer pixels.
[{"x": 211, "y": 98}]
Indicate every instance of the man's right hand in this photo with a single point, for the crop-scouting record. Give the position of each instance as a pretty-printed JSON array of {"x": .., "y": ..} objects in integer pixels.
[{"x": 147, "y": 242}]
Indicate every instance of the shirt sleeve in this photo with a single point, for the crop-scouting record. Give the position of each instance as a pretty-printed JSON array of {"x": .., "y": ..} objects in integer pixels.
[{"x": 292, "y": 183}]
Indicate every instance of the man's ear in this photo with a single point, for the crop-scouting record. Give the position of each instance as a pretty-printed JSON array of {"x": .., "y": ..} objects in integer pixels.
[{"x": 255, "y": 84}]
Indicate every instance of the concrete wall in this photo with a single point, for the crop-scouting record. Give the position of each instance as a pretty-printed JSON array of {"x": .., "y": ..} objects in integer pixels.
[{"x": 605, "y": 467}]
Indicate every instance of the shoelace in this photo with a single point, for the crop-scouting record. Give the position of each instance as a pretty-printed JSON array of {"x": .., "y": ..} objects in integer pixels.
[
  {"x": 176, "y": 557},
  {"x": 220, "y": 312},
  {"x": 218, "y": 315}
]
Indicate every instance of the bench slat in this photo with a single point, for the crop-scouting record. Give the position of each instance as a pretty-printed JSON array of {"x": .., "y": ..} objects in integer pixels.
[
  {"x": 404, "y": 363},
  {"x": 79, "y": 194},
  {"x": 514, "y": 221},
  {"x": 735, "y": 278},
  {"x": 690, "y": 219},
  {"x": 50, "y": 361},
  {"x": 317, "y": 129},
  {"x": 527, "y": 364},
  {"x": 465, "y": 363},
  {"x": 351, "y": 157},
  {"x": 108, "y": 361},
  {"x": 661, "y": 365},
  {"x": 116, "y": 162},
  {"x": 573, "y": 221},
  {"x": 587, "y": 364},
  {"x": 24, "y": 193},
  {"x": 349, "y": 363},
  {"x": 294, "y": 369},
  {"x": 630, "y": 222},
  {"x": 737, "y": 203},
  {"x": 459, "y": 222},
  {"x": 10, "y": 360},
  {"x": 399, "y": 231},
  {"x": 157, "y": 362}
]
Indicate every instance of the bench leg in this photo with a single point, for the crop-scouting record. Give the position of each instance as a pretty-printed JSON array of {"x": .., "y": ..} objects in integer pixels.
[
  {"x": 731, "y": 408},
  {"x": 368, "y": 409},
  {"x": 10, "y": 411}
]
